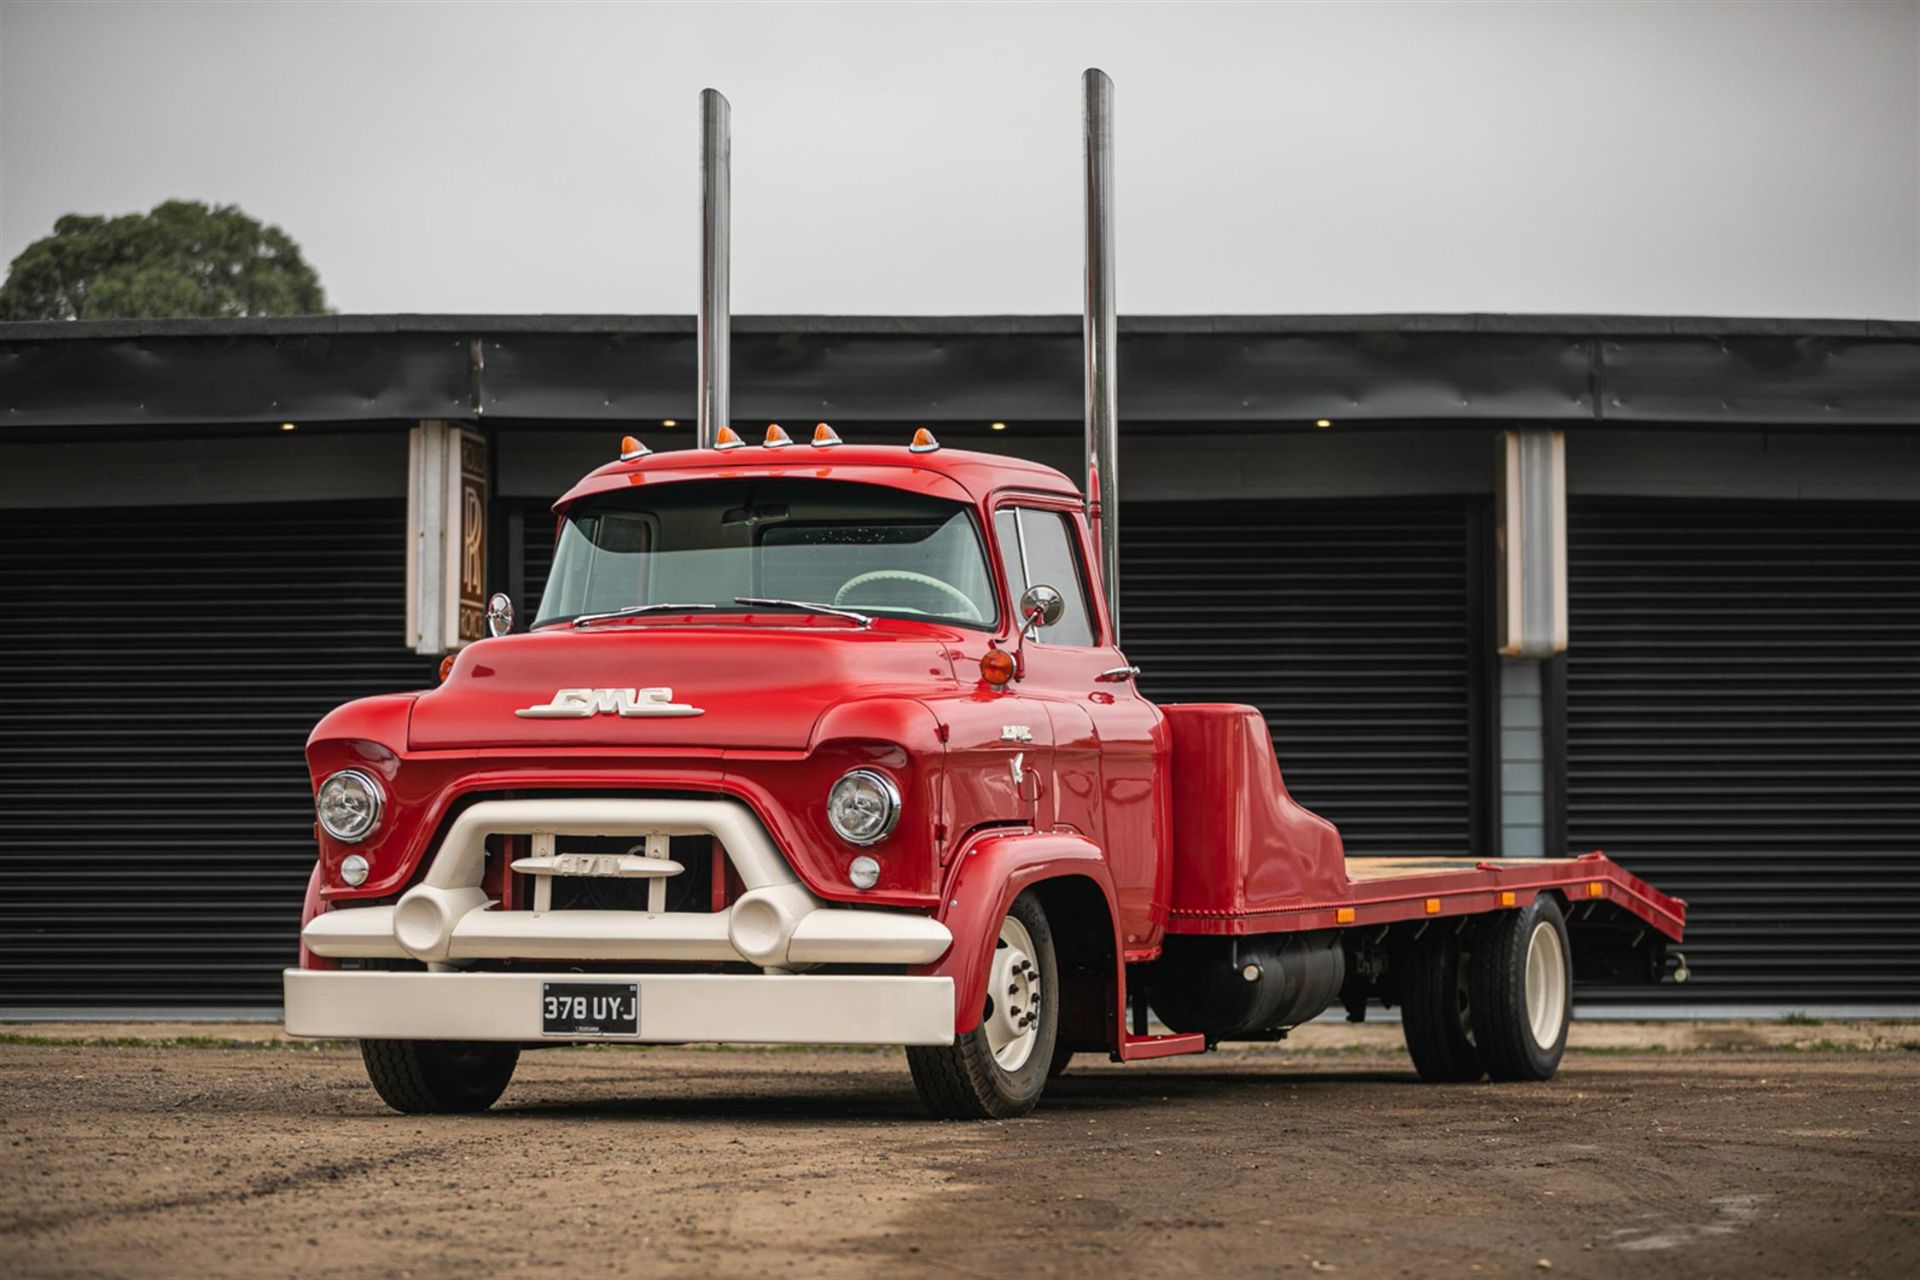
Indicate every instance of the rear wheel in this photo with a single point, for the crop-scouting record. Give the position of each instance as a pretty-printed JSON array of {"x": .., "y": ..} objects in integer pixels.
[
  {"x": 426, "y": 1077},
  {"x": 997, "y": 1070},
  {"x": 1436, "y": 1009},
  {"x": 1522, "y": 991}
]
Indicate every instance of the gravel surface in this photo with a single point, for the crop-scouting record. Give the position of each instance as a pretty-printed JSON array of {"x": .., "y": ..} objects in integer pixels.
[{"x": 234, "y": 1154}]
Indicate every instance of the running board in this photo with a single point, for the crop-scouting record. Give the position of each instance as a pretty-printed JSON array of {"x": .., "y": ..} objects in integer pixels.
[{"x": 1135, "y": 1048}]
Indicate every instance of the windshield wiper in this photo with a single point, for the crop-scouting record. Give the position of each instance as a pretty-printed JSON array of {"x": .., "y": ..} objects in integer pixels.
[
  {"x": 807, "y": 606},
  {"x": 632, "y": 609}
]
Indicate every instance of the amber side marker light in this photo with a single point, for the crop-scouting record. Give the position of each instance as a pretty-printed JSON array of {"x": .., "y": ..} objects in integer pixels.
[
  {"x": 446, "y": 666},
  {"x": 1343, "y": 915},
  {"x": 1596, "y": 889},
  {"x": 996, "y": 667},
  {"x": 1433, "y": 906},
  {"x": 1508, "y": 897}
]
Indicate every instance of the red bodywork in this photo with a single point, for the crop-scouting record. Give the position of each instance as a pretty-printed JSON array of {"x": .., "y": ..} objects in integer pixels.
[{"x": 1176, "y": 819}]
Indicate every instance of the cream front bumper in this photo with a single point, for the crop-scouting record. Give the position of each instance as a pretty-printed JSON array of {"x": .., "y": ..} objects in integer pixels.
[{"x": 675, "y": 1008}]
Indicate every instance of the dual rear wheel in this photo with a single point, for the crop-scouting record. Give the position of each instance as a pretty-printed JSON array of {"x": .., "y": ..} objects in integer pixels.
[{"x": 1492, "y": 999}]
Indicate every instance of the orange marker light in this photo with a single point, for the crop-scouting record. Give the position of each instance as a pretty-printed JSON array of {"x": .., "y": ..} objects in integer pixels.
[
  {"x": 727, "y": 438},
  {"x": 996, "y": 667},
  {"x": 1595, "y": 889},
  {"x": 630, "y": 448},
  {"x": 1508, "y": 897},
  {"x": 777, "y": 438},
  {"x": 923, "y": 442},
  {"x": 1433, "y": 906},
  {"x": 824, "y": 436},
  {"x": 446, "y": 665},
  {"x": 1343, "y": 915}
]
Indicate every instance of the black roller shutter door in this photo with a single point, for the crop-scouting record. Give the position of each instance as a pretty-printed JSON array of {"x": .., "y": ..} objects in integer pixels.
[
  {"x": 163, "y": 667},
  {"x": 1353, "y": 625},
  {"x": 1743, "y": 728}
]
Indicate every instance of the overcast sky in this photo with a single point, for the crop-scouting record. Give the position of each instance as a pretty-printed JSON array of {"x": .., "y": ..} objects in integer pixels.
[{"x": 923, "y": 159}]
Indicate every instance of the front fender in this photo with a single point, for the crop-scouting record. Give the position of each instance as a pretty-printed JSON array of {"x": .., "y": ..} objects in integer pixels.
[{"x": 993, "y": 870}]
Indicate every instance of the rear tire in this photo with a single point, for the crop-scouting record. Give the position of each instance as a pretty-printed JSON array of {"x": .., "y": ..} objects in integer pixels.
[
  {"x": 998, "y": 1070},
  {"x": 1436, "y": 1010},
  {"x": 438, "y": 1077},
  {"x": 1522, "y": 988}
]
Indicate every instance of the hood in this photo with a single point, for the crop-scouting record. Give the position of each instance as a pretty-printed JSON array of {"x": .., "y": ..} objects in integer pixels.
[{"x": 707, "y": 686}]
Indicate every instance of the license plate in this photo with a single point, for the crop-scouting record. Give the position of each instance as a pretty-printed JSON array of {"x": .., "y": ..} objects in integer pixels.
[{"x": 590, "y": 1008}]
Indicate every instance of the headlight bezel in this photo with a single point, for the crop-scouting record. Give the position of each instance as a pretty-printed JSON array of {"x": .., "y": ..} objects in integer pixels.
[
  {"x": 376, "y": 809},
  {"x": 889, "y": 792}
]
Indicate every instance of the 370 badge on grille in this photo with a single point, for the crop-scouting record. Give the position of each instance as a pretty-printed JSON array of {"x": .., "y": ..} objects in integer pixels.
[{"x": 589, "y": 1009}]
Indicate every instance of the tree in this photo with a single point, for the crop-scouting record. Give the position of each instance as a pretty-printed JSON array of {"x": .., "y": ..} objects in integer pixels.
[{"x": 183, "y": 259}]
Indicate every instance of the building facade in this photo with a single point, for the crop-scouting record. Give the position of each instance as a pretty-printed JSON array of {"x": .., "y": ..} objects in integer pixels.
[{"x": 208, "y": 527}]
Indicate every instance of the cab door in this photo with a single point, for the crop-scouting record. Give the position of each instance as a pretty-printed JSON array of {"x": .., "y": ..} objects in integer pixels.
[{"x": 1109, "y": 744}]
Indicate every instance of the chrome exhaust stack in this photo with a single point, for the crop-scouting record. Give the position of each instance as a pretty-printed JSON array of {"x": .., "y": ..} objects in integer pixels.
[
  {"x": 716, "y": 310},
  {"x": 1100, "y": 336}
]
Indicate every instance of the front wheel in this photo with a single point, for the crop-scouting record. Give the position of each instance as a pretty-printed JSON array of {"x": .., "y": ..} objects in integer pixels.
[
  {"x": 429, "y": 1077},
  {"x": 997, "y": 1070},
  {"x": 1522, "y": 991}
]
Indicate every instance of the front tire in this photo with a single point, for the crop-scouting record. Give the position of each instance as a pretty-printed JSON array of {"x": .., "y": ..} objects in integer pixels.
[
  {"x": 1522, "y": 985},
  {"x": 438, "y": 1077},
  {"x": 998, "y": 1070}
]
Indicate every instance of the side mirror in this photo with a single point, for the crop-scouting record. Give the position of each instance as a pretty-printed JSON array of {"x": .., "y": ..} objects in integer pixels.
[
  {"x": 499, "y": 614},
  {"x": 1041, "y": 606}
]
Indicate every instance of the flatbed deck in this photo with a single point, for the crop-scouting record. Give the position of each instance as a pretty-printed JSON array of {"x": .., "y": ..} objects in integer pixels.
[{"x": 1392, "y": 889}]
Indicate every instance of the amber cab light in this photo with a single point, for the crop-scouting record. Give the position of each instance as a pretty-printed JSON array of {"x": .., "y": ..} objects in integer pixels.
[
  {"x": 923, "y": 442},
  {"x": 727, "y": 438},
  {"x": 631, "y": 448},
  {"x": 777, "y": 437},
  {"x": 996, "y": 667},
  {"x": 824, "y": 436}
]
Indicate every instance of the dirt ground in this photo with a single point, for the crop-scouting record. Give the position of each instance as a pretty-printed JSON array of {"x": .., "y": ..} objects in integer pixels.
[{"x": 1771, "y": 1151}]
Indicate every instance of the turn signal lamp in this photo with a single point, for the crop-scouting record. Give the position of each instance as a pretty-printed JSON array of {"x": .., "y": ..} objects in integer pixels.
[
  {"x": 777, "y": 438},
  {"x": 824, "y": 436},
  {"x": 727, "y": 438},
  {"x": 996, "y": 667},
  {"x": 446, "y": 666},
  {"x": 923, "y": 442},
  {"x": 631, "y": 448}
]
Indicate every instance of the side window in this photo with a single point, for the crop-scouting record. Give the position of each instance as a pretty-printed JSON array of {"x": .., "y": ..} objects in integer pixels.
[{"x": 1038, "y": 546}]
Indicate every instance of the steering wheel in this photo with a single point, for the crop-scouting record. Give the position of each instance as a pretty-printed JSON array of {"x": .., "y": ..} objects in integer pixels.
[{"x": 968, "y": 609}]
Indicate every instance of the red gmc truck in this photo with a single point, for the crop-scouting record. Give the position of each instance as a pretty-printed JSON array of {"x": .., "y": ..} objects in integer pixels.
[{"x": 825, "y": 743}]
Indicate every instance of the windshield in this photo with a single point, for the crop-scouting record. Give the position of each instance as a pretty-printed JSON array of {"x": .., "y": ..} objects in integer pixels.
[{"x": 853, "y": 546}]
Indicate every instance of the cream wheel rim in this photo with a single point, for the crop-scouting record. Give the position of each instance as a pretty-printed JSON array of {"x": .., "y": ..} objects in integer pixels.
[
  {"x": 1013, "y": 997},
  {"x": 1546, "y": 984}
]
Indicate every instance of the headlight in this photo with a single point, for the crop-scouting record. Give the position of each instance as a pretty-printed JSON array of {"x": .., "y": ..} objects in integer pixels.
[
  {"x": 349, "y": 806},
  {"x": 863, "y": 806}
]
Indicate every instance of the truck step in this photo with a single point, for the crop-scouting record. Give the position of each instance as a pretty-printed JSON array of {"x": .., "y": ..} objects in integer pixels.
[{"x": 1133, "y": 1048}]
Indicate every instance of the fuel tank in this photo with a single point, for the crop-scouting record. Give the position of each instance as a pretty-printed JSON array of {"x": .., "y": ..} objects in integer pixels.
[{"x": 1246, "y": 988}]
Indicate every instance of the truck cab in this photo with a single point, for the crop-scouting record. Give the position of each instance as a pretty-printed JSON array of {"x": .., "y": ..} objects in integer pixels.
[{"x": 825, "y": 743}]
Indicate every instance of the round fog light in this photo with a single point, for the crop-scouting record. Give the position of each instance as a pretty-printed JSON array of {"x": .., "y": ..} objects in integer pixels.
[
  {"x": 353, "y": 869},
  {"x": 865, "y": 872}
]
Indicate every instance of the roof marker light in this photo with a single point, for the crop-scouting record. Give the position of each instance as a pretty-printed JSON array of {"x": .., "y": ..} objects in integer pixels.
[
  {"x": 824, "y": 436},
  {"x": 631, "y": 448},
  {"x": 727, "y": 438},
  {"x": 923, "y": 442},
  {"x": 777, "y": 437}
]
